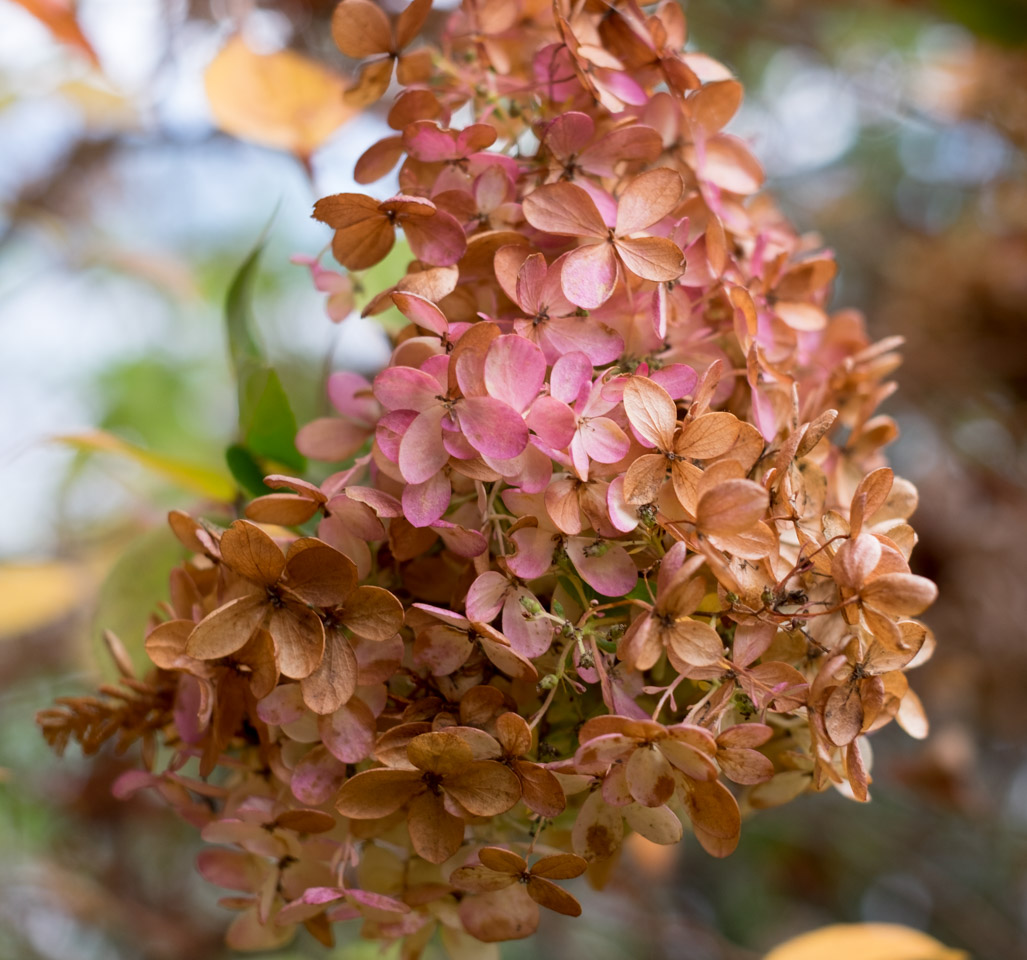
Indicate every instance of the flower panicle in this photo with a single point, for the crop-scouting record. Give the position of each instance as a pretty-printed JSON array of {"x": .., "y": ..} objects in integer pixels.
[{"x": 624, "y": 464}]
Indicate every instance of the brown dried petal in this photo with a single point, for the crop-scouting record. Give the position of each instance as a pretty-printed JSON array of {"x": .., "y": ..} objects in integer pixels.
[
  {"x": 335, "y": 679},
  {"x": 348, "y": 733},
  {"x": 372, "y": 613},
  {"x": 715, "y": 816},
  {"x": 480, "y": 879},
  {"x": 443, "y": 753},
  {"x": 542, "y": 791},
  {"x": 843, "y": 714},
  {"x": 644, "y": 478},
  {"x": 252, "y": 553},
  {"x": 900, "y": 594},
  {"x": 318, "y": 573},
  {"x": 657, "y": 824},
  {"x": 513, "y": 732},
  {"x": 707, "y": 436},
  {"x": 299, "y": 639},
  {"x": 435, "y": 833},
  {"x": 855, "y": 561},
  {"x": 361, "y": 29},
  {"x": 485, "y": 788},
  {"x": 502, "y": 860},
  {"x": 695, "y": 642},
  {"x": 650, "y": 777},
  {"x": 305, "y": 821},
  {"x": 560, "y": 866},
  {"x": 552, "y": 897},
  {"x": 598, "y": 830},
  {"x": 226, "y": 629},
  {"x": 508, "y": 914},
  {"x": 731, "y": 507},
  {"x": 285, "y": 509},
  {"x": 377, "y": 793},
  {"x": 165, "y": 645}
]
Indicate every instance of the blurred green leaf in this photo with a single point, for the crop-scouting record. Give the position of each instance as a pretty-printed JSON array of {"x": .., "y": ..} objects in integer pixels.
[
  {"x": 1003, "y": 21},
  {"x": 246, "y": 470},
  {"x": 246, "y": 353},
  {"x": 267, "y": 424},
  {"x": 137, "y": 582},
  {"x": 267, "y": 421},
  {"x": 189, "y": 476}
]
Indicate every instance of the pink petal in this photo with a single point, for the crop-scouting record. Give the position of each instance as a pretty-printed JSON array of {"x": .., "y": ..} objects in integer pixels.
[
  {"x": 570, "y": 375},
  {"x": 636, "y": 142},
  {"x": 590, "y": 275},
  {"x": 349, "y": 732},
  {"x": 421, "y": 453},
  {"x": 531, "y": 281},
  {"x": 552, "y": 421},
  {"x": 351, "y": 394},
  {"x": 425, "y": 140},
  {"x": 529, "y": 638},
  {"x": 437, "y": 240},
  {"x": 604, "y": 441},
  {"x": 422, "y": 312},
  {"x": 317, "y": 777},
  {"x": 568, "y": 133},
  {"x": 534, "y": 555},
  {"x": 426, "y": 502},
  {"x": 647, "y": 199},
  {"x": 514, "y": 371},
  {"x": 585, "y": 334},
  {"x": 404, "y": 388},
  {"x": 491, "y": 427},
  {"x": 463, "y": 542},
  {"x": 491, "y": 188},
  {"x": 330, "y": 439},
  {"x": 678, "y": 379},
  {"x": 623, "y": 515},
  {"x": 603, "y": 565},
  {"x": 507, "y": 264},
  {"x": 389, "y": 430},
  {"x": 565, "y": 210},
  {"x": 485, "y": 597}
]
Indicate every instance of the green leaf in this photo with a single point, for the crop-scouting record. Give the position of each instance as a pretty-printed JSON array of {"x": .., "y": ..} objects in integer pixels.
[
  {"x": 246, "y": 470},
  {"x": 267, "y": 424},
  {"x": 243, "y": 347},
  {"x": 136, "y": 583},
  {"x": 267, "y": 421},
  {"x": 1003, "y": 21},
  {"x": 190, "y": 476}
]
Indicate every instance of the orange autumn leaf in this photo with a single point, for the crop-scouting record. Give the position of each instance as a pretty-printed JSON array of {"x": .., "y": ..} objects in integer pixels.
[
  {"x": 280, "y": 100},
  {"x": 59, "y": 18},
  {"x": 864, "y": 941}
]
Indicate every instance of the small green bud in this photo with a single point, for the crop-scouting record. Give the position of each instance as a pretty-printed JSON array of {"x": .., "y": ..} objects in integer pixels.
[
  {"x": 549, "y": 681},
  {"x": 532, "y": 607}
]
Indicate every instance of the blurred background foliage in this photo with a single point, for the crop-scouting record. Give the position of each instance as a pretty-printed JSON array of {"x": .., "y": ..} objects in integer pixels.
[{"x": 894, "y": 130}]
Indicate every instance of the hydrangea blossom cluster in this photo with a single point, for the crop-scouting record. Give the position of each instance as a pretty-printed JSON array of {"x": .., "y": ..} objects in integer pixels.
[{"x": 611, "y": 545}]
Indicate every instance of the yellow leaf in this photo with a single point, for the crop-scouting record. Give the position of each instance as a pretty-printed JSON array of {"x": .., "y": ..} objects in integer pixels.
[
  {"x": 278, "y": 100},
  {"x": 864, "y": 941},
  {"x": 189, "y": 476},
  {"x": 36, "y": 595},
  {"x": 101, "y": 107}
]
